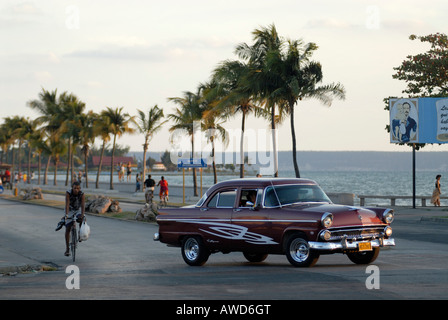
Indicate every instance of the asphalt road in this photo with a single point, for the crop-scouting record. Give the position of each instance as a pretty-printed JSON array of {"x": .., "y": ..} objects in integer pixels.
[{"x": 121, "y": 261}]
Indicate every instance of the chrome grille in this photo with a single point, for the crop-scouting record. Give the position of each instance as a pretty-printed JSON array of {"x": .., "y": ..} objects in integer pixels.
[{"x": 356, "y": 234}]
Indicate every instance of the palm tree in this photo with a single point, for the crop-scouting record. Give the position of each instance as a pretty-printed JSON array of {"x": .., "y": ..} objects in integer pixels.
[
  {"x": 104, "y": 130},
  {"x": 257, "y": 81},
  {"x": 37, "y": 141},
  {"x": 8, "y": 138},
  {"x": 190, "y": 111},
  {"x": 119, "y": 124},
  {"x": 57, "y": 147},
  {"x": 231, "y": 97},
  {"x": 18, "y": 130},
  {"x": 148, "y": 126},
  {"x": 51, "y": 120},
  {"x": 210, "y": 120},
  {"x": 4, "y": 141},
  {"x": 87, "y": 136},
  {"x": 27, "y": 130},
  {"x": 71, "y": 109},
  {"x": 297, "y": 78}
]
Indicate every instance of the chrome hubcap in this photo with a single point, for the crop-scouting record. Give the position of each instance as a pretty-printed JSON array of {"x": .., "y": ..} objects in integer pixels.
[
  {"x": 191, "y": 249},
  {"x": 299, "y": 250}
]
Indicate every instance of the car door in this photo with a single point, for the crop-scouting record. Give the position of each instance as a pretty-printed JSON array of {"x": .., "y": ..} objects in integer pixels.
[
  {"x": 215, "y": 222},
  {"x": 251, "y": 223}
]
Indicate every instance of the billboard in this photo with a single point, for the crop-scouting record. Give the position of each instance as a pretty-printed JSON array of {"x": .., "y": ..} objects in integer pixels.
[{"x": 418, "y": 120}]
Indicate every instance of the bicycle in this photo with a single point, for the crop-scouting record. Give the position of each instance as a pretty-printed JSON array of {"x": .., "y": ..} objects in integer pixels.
[
  {"x": 164, "y": 199},
  {"x": 149, "y": 195},
  {"x": 74, "y": 237}
]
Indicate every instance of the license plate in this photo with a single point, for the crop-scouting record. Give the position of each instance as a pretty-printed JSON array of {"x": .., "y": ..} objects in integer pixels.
[{"x": 364, "y": 246}]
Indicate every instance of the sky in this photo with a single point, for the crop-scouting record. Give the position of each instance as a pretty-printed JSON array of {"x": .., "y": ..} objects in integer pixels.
[{"x": 136, "y": 54}]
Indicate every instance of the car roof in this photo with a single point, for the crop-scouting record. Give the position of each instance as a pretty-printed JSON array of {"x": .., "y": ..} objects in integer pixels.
[{"x": 260, "y": 182}]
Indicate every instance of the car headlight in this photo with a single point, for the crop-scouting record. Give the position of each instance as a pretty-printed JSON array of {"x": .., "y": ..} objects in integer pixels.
[
  {"x": 388, "y": 231},
  {"x": 327, "y": 220},
  {"x": 325, "y": 235},
  {"x": 388, "y": 216}
]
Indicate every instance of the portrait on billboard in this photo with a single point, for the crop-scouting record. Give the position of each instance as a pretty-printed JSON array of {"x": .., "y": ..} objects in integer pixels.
[{"x": 403, "y": 120}]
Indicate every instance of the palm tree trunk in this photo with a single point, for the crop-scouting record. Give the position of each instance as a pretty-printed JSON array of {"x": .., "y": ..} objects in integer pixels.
[
  {"x": 68, "y": 160},
  {"x": 99, "y": 166},
  {"x": 29, "y": 164},
  {"x": 72, "y": 160},
  {"x": 112, "y": 165},
  {"x": 86, "y": 170},
  {"x": 13, "y": 161},
  {"x": 19, "y": 157},
  {"x": 145, "y": 149},
  {"x": 39, "y": 167},
  {"x": 55, "y": 181},
  {"x": 195, "y": 186},
  {"x": 46, "y": 170},
  {"x": 243, "y": 124},
  {"x": 294, "y": 143},
  {"x": 274, "y": 140},
  {"x": 215, "y": 176}
]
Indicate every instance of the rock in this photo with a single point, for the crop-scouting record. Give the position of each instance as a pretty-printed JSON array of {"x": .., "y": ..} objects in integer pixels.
[
  {"x": 31, "y": 193},
  {"x": 102, "y": 204},
  {"x": 115, "y": 206},
  {"x": 149, "y": 212}
]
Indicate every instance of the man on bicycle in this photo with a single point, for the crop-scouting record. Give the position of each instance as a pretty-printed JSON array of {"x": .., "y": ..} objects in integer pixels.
[
  {"x": 149, "y": 189},
  {"x": 74, "y": 209}
]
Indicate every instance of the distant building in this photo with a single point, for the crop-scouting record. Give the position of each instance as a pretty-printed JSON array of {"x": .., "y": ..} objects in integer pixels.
[{"x": 158, "y": 166}]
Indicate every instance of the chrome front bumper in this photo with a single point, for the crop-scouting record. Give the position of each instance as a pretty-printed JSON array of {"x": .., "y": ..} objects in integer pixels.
[{"x": 345, "y": 245}]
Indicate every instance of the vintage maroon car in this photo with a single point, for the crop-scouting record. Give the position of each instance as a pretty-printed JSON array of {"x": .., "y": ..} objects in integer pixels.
[{"x": 274, "y": 216}]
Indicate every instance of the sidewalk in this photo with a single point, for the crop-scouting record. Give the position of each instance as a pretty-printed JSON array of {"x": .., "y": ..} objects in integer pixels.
[{"x": 123, "y": 191}]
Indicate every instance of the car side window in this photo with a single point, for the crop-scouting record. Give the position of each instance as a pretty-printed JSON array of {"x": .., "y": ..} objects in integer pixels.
[
  {"x": 223, "y": 199},
  {"x": 270, "y": 198},
  {"x": 248, "y": 198}
]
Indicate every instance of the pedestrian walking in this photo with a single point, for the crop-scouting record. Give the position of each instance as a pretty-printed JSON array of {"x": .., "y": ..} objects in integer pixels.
[
  {"x": 435, "y": 199},
  {"x": 137, "y": 183}
]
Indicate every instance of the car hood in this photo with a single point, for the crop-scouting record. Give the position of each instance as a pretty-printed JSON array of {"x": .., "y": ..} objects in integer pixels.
[{"x": 343, "y": 216}]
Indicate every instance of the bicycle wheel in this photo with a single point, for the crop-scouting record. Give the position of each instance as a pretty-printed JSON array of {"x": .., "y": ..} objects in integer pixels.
[{"x": 74, "y": 241}]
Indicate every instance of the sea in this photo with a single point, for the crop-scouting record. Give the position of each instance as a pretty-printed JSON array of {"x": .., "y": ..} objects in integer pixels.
[{"x": 357, "y": 182}]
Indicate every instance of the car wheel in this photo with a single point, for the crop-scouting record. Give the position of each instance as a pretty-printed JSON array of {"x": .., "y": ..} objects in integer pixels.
[
  {"x": 364, "y": 257},
  {"x": 255, "y": 257},
  {"x": 194, "y": 251},
  {"x": 299, "y": 253}
]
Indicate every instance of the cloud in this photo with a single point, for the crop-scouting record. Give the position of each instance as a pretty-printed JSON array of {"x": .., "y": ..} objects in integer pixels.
[
  {"x": 119, "y": 53},
  {"x": 25, "y": 8},
  {"x": 122, "y": 48},
  {"x": 329, "y": 23},
  {"x": 43, "y": 76},
  {"x": 404, "y": 25}
]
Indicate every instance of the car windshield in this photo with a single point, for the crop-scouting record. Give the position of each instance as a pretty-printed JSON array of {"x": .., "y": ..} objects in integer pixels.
[{"x": 289, "y": 194}]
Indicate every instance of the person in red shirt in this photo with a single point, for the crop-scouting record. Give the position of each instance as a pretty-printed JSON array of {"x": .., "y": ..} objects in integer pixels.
[
  {"x": 7, "y": 176},
  {"x": 163, "y": 193}
]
